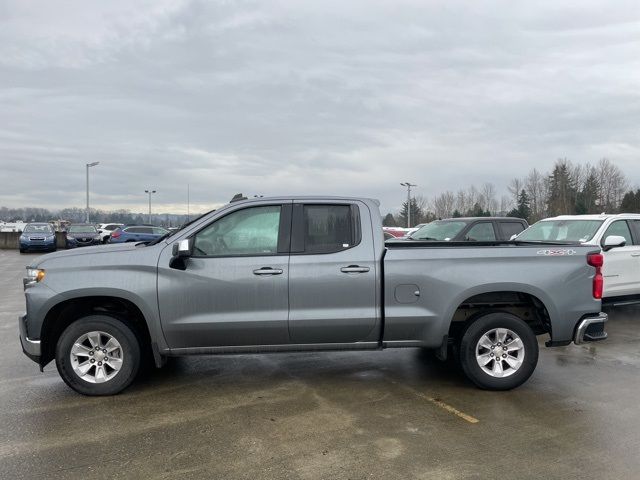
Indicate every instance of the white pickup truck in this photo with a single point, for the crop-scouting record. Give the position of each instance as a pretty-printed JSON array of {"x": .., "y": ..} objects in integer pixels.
[{"x": 621, "y": 268}]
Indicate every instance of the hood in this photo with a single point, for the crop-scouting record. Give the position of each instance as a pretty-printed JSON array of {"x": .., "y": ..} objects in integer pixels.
[{"x": 102, "y": 249}]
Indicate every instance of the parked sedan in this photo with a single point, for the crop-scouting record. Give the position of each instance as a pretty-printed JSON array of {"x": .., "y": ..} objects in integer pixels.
[
  {"x": 82, "y": 235},
  {"x": 470, "y": 229},
  {"x": 38, "y": 236},
  {"x": 137, "y": 233}
]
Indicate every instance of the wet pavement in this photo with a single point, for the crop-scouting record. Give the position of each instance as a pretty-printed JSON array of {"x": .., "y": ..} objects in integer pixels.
[{"x": 354, "y": 415}]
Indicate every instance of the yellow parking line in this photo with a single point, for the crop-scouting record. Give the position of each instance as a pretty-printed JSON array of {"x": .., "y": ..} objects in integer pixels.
[{"x": 450, "y": 409}]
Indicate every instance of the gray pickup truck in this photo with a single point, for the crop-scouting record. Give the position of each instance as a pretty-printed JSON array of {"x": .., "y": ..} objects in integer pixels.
[{"x": 305, "y": 274}]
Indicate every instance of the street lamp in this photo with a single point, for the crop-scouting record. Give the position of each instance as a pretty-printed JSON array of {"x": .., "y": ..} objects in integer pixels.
[
  {"x": 88, "y": 165},
  {"x": 149, "y": 192},
  {"x": 408, "y": 185}
]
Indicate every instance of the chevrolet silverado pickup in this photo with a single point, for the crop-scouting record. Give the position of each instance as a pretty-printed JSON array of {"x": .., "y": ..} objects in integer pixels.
[{"x": 306, "y": 274}]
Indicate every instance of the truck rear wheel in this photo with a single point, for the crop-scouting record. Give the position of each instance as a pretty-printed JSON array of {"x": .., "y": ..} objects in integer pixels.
[
  {"x": 98, "y": 355},
  {"x": 498, "y": 351}
]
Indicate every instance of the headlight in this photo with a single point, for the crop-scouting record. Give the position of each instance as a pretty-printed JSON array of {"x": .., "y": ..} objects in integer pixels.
[{"x": 34, "y": 275}]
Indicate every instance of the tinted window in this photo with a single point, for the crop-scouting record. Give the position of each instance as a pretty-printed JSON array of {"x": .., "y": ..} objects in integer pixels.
[
  {"x": 159, "y": 231},
  {"x": 481, "y": 232},
  {"x": 327, "y": 228},
  {"x": 251, "y": 231},
  {"x": 636, "y": 226},
  {"x": 133, "y": 230},
  {"x": 111, "y": 227},
  {"x": 511, "y": 228},
  {"x": 619, "y": 228}
]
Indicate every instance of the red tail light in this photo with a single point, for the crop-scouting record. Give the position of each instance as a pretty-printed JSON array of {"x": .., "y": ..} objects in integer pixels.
[
  {"x": 596, "y": 260},
  {"x": 116, "y": 234}
]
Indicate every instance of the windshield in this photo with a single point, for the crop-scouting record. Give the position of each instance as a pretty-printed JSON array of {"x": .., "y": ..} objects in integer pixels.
[
  {"x": 561, "y": 230},
  {"x": 82, "y": 229},
  {"x": 38, "y": 229},
  {"x": 440, "y": 230}
]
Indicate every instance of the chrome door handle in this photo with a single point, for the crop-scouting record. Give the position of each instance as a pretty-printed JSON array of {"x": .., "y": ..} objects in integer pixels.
[
  {"x": 268, "y": 271},
  {"x": 354, "y": 269}
]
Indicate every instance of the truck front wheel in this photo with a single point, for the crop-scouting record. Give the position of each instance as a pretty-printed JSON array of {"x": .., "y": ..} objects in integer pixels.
[
  {"x": 498, "y": 351},
  {"x": 98, "y": 355}
]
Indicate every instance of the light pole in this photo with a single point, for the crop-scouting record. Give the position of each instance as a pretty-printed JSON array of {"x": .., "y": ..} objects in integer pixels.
[
  {"x": 408, "y": 185},
  {"x": 88, "y": 165},
  {"x": 149, "y": 192}
]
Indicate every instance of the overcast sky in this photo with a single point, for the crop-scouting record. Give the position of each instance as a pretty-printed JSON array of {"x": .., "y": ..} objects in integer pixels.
[{"x": 333, "y": 97}]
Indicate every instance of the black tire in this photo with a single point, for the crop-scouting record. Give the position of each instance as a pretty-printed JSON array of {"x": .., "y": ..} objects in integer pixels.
[
  {"x": 22, "y": 250},
  {"x": 130, "y": 355},
  {"x": 481, "y": 326}
]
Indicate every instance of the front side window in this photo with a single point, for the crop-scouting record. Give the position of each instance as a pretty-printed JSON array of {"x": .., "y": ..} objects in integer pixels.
[
  {"x": 619, "y": 228},
  {"x": 481, "y": 232},
  {"x": 327, "y": 228},
  {"x": 251, "y": 231},
  {"x": 159, "y": 231}
]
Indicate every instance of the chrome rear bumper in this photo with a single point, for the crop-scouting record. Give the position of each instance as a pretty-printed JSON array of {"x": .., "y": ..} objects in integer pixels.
[{"x": 591, "y": 329}]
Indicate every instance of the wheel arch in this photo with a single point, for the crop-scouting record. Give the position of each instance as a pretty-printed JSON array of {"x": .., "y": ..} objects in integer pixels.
[
  {"x": 62, "y": 314},
  {"x": 529, "y": 303}
]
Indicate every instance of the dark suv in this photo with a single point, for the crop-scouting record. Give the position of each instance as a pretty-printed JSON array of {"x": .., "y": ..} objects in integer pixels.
[{"x": 470, "y": 229}]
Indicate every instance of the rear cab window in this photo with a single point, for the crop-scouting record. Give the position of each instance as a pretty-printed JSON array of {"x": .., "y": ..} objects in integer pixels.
[
  {"x": 325, "y": 228},
  {"x": 510, "y": 229}
]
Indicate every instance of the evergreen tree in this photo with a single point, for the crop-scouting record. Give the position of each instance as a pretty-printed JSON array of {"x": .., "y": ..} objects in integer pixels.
[
  {"x": 389, "y": 221},
  {"x": 524, "y": 206},
  {"x": 416, "y": 213},
  {"x": 562, "y": 191},
  {"x": 631, "y": 202},
  {"x": 586, "y": 201}
]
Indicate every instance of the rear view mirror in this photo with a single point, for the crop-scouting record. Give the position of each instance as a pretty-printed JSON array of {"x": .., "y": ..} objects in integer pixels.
[
  {"x": 613, "y": 241},
  {"x": 183, "y": 248}
]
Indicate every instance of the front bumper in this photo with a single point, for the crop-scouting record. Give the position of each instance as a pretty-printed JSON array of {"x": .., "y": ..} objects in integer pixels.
[
  {"x": 31, "y": 348},
  {"x": 591, "y": 329}
]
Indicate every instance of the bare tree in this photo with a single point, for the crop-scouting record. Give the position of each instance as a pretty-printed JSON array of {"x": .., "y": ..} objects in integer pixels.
[
  {"x": 515, "y": 187},
  {"x": 444, "y": 204},
  {"x": 488, "y": 197},
  {"x": 612, "y": 185},
  {"x": 536, "y": 186}
]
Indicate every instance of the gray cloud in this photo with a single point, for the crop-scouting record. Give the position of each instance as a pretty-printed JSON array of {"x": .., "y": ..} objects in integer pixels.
[{"x": 319, "y": 97}]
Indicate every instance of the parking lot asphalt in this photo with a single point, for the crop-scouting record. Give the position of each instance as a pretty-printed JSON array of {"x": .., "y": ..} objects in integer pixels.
[{"x": 351, "y": 415}]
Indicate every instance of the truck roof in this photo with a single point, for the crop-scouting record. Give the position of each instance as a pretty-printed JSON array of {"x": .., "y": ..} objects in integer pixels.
[
  {"x": 602, "y": 216},
  {"x": 308, "y": 197}
]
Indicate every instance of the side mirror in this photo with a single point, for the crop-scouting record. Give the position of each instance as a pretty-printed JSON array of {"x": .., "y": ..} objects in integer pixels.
[
  {"x": 513, "y": 237},
  {"x": 613, "y": 241},
  {"x": 183, "y": 248}
]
